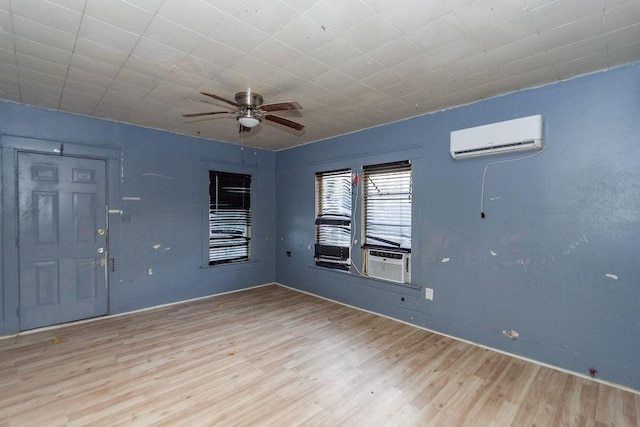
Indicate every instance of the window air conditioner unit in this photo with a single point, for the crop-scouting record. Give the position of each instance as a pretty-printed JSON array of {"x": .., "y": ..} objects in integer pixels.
[
  {"x": 512, "y": 135},
  {"x": 389, "y": 265}
]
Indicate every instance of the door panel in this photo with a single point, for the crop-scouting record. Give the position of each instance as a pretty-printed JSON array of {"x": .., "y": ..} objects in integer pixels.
[{"x": 62, "y": 218}]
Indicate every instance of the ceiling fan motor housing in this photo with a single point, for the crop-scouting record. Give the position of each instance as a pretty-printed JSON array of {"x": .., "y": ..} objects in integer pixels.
[{"x": 249, "y": 99}]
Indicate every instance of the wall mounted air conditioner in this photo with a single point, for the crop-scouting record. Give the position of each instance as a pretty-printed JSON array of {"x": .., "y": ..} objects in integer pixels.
[
  {"x": 511, "y": 135},
  {"x": 389, "y": 265}
]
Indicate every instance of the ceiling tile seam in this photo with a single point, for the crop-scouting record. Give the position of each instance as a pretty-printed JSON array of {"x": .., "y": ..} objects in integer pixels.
[
  {"x": 73, "y": 50},
  {"x": 546, "y": 50},
  {"x": 606, "y": 39},
  {"x": 128, "y": 56},
  {"x": 15, "y": 53}
]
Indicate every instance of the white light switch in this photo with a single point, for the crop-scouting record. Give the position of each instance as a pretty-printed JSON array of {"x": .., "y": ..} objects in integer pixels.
[{"x": 428, "y": 294}]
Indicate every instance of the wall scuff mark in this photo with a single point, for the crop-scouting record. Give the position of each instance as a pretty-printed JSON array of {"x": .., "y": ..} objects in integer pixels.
[
  {"x": 445, "y": 260},
  {"x": 611, "y": 276}
]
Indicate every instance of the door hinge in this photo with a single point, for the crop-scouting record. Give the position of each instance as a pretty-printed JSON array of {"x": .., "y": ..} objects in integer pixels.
[{"x": 113, "y": 264}]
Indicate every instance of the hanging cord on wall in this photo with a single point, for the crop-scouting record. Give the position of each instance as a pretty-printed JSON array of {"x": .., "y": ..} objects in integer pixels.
[
  {"x": 484, "y": 174},
  {"x": 354, "y": 234}
]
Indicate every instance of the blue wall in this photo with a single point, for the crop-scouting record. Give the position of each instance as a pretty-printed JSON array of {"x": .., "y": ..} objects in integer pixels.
[
  {"x": 162, "y": 191},
  {"x": 555, "y": 259}
]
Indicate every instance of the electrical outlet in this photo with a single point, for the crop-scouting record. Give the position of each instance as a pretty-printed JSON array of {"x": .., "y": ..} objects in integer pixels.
[{"x": 428, "y": 294}]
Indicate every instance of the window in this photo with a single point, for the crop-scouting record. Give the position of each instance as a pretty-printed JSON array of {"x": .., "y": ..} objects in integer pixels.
[
  {"x": 229, "y": 217},
  {"x": 387, "y": 205},
  {"x": 333, "y": 219}
]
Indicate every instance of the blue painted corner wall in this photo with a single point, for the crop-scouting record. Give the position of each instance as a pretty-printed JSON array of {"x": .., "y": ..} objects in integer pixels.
[
  {"x": 555, "y": 259},
  {"x": 158, "y": 204}
]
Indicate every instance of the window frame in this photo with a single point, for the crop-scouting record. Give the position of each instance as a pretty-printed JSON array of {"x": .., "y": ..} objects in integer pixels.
[
  {"x": 380, "y": 239},
  {"x": 333, "y": 219},
  {"x": 236, "y": 221}
]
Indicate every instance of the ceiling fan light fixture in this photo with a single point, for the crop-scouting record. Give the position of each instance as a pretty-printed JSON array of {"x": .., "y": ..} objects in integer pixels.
[{"x": 248, "y": 119}]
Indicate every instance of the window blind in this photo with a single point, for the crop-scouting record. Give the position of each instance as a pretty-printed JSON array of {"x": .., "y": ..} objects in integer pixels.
[
  {"x": 387, "y": 205},
  {"x": 333, "y": 219},
  {"x": 229, "y": 217}
]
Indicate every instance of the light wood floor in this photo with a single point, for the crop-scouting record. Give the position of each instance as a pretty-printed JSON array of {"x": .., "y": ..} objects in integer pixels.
[{"x": 273, "y": 356}]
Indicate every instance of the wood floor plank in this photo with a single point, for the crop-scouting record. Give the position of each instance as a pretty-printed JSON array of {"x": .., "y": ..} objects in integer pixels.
[{"x": 274, "y": 356}]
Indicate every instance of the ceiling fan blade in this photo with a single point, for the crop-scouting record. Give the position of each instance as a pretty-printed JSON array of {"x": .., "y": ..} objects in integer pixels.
[
  {"x": 284, "y": 121},
  {"x": 278, "y": 106},
  {"x": 205, "y": 114},
  {"x": 219, "y": 98}
]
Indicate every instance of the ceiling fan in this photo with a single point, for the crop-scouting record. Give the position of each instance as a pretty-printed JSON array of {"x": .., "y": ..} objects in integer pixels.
[{"x": 251, "y": 110}]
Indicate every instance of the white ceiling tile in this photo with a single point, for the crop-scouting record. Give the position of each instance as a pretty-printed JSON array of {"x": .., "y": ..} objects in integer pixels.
[
  {"x": 408, "y": 15},
  {"x": 5, "y": 22},
  {"x": 199, "y": 67},
  {"x": 235, "y": 80},
  {"x": 525, "y": 65},
  {"x": 419, "y": 64},
  {"x": 133, "y": 90},
  {"x": 125, "y": 99},
  {"x": 8, "y": 70},
  {"x": 148, "y": 5},
  {"x": 193, "y": 14},
  {"x": 333, "y": 80},
  {"x": 622, "y": 16},
  {"x": 177, "y": 76},
  {"x": 95, "y": 67},
  {"x": 108, "y": 35},
  {"x": 382, "y": 79},
  {"x": 557, "y": 13},
  {"x": 170, "y": 34},
  {"x": 36, "y": 64},
  {"x": 43, "y": 34},
  {"x": 303, "y": 34},
  {"x": 456, "y": 50},
  {"x": 283, "y": 80},
  {"x": 216, "y": 53},
  {"x": 401, "y": 88},
  {"x": 310, "y": 91},
  {"x": 34, "y": 76},
  {"x": 253, "y": 68},
  {"x": 472, "y": 65},
  {"x": 299, "y": 5},
  {"x": 236, "y": 34},
  {"x": 224, "y": 5},
  {"x": 157, "y": 52},
  {"x": 307, "y": 68},
  {"x": 517, "y": 50},
  {"x": 624, "y": 37},
  {"x": 332, "y": 99},
  {"x": 582, "y": 48},
  {"x": 361, "y": 67},
  {"x": 47, "y": 13},
  {"x": 145, "y": 66},
  {"x": 623, "y": 55},
  {"x": 485, "y": 13},
  {"x": 72, "y": 95},
  {"x": 378, "y": 5},
  {"x": 442, "y": 30},
  {"x": 457, "y": 4},
  {"x": 433, "y": 78},
  {"x": 338, "y": 16},
  {"x": 100, "y": 52},
  {"x": 395, "y": 52},
  {"x": 265, "y": 15},
  {"x": 506, "y": 32},
  {"x": 42, "y": 51},
  {"x": 370, "y": 34},
  {"x": 573, "y": 32},
  {"x": 84, "y": 88},
  {"x": 276, "y": 53},
  {"x": 119, "y": 14},
  {"x": 335, "y": 53},
  {"x": 582, "y": 65},
  {"x": 87, "y": 78}
]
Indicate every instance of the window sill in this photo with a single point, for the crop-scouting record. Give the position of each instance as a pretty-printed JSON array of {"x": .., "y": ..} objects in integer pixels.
[
  {"x": 231, "y": 266},
  {"x": 363, "y": 277}
]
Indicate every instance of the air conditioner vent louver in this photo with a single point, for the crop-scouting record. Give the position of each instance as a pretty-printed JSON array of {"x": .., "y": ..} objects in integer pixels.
[
  {"x": 508, "y": 136},
  {"x": 388, "y": 265}
]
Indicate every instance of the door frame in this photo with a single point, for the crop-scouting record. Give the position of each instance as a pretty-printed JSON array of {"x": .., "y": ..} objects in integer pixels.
[{"x": 9, "y": 278}]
